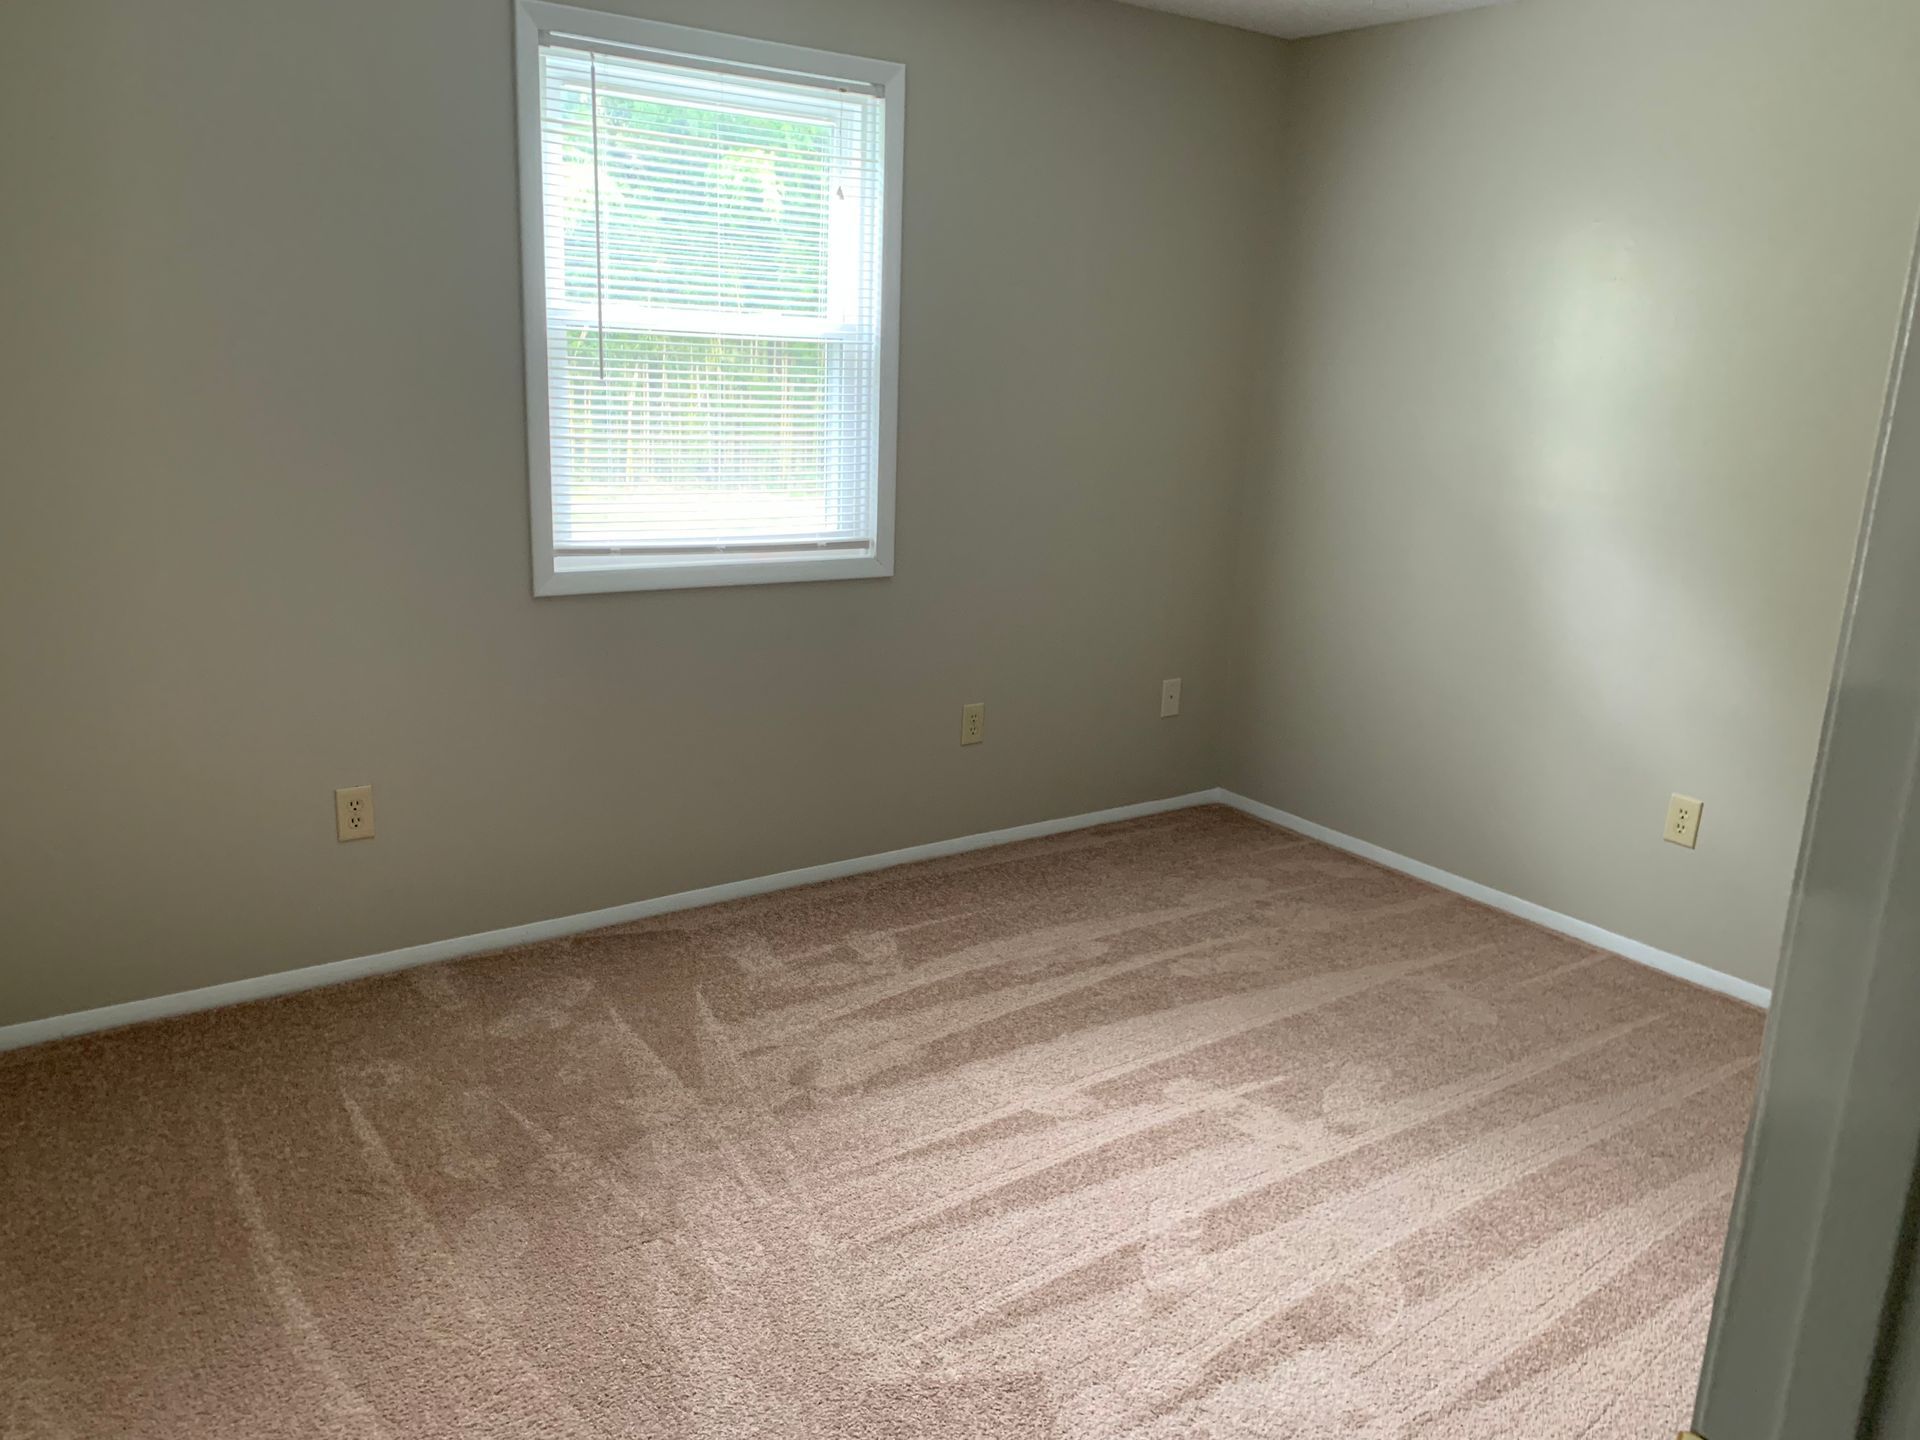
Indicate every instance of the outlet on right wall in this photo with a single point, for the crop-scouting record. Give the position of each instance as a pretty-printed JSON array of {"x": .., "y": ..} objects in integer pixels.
[{"x": 1583, "y": 315}]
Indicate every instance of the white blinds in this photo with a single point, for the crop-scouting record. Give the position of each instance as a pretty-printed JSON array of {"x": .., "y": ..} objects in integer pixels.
[{"x": 713, "y": 243}]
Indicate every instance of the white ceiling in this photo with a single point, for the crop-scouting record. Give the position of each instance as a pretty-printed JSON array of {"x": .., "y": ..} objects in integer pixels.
[{"x": 1297, "y": 19}]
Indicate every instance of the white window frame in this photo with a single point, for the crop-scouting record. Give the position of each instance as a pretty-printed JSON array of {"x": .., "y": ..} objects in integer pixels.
[{"x": 534, "y": 18}]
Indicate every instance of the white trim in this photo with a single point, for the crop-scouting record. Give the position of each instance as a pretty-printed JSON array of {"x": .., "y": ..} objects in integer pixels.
[
  {"x": 1674, "y": 965},
  {"x": 337, "y": 972},
  {"x": 784, "y": 569},
  {"x": 688, "y": 42},
  {"x": 885, "y": 78}
]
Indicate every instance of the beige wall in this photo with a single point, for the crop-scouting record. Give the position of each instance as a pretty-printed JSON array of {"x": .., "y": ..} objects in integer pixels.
[
  {"x": 265, "y": 523},
  {"x": 1556, "y": 332},
  {"x": 1585, "y": 319}
]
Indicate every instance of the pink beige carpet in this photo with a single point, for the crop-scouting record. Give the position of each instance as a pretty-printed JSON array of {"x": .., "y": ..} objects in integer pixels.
[{"x": 1186, "y": 1127}]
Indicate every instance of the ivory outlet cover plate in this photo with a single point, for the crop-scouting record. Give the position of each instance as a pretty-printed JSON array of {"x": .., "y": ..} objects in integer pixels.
[
  {"x": 1683, "y": 821},
  {"x": 353, "y": 813}
]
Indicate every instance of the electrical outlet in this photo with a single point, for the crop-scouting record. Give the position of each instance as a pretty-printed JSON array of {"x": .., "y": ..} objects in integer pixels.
[
  {"x": 973, "y": 723},
  {"x": 1169, "y": 698},
  {"x": 353, "y": 813},
  {"x": 1683, "y": 821}
]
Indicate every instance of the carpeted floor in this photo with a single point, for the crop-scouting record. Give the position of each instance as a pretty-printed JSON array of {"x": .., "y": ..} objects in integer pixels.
[{"x": 1186, "y": 1127}]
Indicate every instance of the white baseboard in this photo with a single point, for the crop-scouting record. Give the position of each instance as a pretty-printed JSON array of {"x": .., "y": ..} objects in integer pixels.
[
  {"x": 336, "y": 972},
  {"x": 312, "y": 977},
  {"x": 1661, "y": 960}
]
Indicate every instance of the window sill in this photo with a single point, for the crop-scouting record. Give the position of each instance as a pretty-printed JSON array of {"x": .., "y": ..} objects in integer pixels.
[{"x": 602, "y": 579}]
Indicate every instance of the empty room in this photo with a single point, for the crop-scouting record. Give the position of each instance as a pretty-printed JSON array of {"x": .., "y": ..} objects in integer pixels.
[{"x": 958, "y": 719}]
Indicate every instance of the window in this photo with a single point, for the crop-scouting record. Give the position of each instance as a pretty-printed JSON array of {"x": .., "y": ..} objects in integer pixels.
[{"x": 711, "y": 241}]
